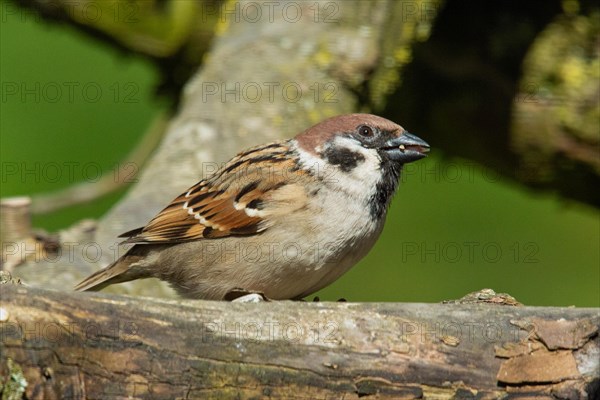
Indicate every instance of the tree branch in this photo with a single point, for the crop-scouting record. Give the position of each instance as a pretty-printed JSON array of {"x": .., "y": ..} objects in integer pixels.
[{"x": 98, "y": 346}]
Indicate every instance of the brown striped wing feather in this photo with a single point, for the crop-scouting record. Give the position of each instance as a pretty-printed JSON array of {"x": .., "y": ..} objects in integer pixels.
[{"x": 237, "y": 200}]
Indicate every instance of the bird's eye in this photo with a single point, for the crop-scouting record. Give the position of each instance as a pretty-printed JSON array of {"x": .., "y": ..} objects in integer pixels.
[{"x": 365, "y": 131}]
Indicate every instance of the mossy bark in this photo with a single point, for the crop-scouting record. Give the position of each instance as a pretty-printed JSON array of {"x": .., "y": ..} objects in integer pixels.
[{"x": 74, "y": 345}]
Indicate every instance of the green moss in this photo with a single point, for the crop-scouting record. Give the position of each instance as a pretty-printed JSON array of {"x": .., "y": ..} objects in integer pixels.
[
  {"x": 557, "y": 111},
  {"x": 157, "y": 28},
  {"x": 15, "y": 384},
  {"x": 396, "y": 48}
]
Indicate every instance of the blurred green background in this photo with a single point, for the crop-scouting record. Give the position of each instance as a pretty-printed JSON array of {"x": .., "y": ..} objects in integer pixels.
[{"x": 72, "y": 104}]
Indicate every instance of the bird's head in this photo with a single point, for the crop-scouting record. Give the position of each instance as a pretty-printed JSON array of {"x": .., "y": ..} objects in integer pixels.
[
  {"x": 350, "y": 140},
  {"x": 366, "y": 154}
]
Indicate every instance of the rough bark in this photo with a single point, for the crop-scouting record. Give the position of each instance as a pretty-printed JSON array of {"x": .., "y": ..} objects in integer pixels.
[{"x": 71, "y": 345}]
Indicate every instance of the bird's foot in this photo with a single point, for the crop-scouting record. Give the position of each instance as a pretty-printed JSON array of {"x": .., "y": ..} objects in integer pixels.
[{"x": 238, "y": 295}]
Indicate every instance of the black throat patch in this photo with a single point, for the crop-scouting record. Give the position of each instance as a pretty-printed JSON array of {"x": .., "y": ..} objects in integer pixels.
[
  {"x": 343, "y": 157},
  {"x": 386, "y": 188}
]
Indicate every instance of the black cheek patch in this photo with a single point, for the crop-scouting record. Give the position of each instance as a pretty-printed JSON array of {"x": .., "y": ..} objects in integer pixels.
[{"x": 343, "y": 157}]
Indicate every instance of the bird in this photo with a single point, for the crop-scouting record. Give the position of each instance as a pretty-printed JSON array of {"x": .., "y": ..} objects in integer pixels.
[{"x": 283, "y": 219}]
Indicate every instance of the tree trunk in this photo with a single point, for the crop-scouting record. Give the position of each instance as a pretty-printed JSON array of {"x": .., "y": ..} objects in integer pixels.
[{"x": 73, "y": 345}]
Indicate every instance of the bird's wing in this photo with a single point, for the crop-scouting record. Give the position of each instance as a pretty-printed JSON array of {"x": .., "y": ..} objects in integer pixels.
[{"x": 240, "y": 199}]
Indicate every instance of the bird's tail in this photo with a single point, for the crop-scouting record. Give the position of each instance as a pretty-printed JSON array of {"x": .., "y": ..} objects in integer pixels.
[{"x": 117, "y": 272}]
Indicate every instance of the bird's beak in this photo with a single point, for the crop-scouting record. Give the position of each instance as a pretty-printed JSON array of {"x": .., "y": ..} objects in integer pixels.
[{"x": 406, "y": 148}]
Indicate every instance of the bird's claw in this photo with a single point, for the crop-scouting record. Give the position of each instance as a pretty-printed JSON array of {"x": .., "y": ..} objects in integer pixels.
[{"x": 245, "y": 296}]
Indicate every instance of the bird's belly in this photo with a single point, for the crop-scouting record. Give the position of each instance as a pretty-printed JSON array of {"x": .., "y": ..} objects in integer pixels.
[
  {"x": 290, "y": 260},
  {"x": 279, "y": 269}
]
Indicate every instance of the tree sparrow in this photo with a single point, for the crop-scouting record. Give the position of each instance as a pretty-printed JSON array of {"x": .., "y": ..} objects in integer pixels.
[{"x": 284, "y": 219}]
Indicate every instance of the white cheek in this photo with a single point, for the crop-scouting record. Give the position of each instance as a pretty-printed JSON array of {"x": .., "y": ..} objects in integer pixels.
[
  {"x": 360, "y": 182},
  {"x": 369, "y": 171},
  {"x": 364, "y": 177}
]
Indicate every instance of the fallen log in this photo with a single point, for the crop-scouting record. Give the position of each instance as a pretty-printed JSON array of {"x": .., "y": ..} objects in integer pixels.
[{"x": 81, "y": 345}]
